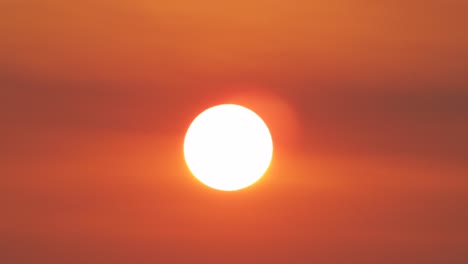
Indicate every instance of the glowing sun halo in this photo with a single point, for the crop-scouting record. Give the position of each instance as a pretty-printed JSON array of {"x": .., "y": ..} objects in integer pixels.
[{"x": 228, "y": 147}]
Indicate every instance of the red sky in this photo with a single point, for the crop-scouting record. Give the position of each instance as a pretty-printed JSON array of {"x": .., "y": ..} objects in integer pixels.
[{"x": 367, "y": 102}]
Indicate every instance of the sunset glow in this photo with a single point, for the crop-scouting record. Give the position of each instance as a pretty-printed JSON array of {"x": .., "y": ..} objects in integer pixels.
[{"x": 236, "y": 131}]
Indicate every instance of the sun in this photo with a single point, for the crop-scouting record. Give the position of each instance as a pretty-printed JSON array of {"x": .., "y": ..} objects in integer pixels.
[{"x": 228, "y": 147}]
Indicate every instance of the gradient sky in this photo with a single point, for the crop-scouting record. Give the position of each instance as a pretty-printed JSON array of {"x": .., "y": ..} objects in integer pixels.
[{"x": 367, "y": 102}]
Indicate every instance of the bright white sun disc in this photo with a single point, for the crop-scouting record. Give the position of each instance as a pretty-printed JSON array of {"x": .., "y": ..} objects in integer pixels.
[{"x": 228, "y": 147}]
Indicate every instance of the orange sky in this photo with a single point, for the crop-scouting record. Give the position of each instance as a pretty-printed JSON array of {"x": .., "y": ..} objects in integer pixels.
[{"x": 366, "y": 101}]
